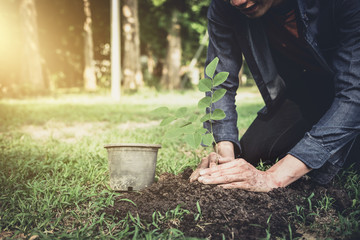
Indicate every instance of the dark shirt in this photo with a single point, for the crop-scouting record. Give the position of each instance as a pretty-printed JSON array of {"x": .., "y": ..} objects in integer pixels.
[
  {"x": 281, "y": 29},
  {"x": 303, "y": 75}
]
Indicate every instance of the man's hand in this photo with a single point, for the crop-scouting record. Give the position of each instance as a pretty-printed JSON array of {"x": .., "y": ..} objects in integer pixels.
[
  {"x": 225, "y": 154},
  {"x": 241, "y": 174},
  {"x": 238, "y": 174}
]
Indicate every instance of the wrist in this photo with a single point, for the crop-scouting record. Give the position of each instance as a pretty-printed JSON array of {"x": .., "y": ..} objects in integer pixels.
[
  {"x": 225, "y": 149},
  {"x": 273, "y": 180},
  {"x": 286, "y": 171}
]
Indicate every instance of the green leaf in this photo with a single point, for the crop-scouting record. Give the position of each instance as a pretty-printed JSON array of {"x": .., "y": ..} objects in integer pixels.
[
  {"x": 193, "y": 140},
  {"x": 220, "y": 78},
  {"x": 197, "y": 138},
  {"x": 201, "y": 131},
  {"x": 204, "y": 102},
  {"x": 167, "y": 120},
  {"x": 218, "y": 94},
  {"x": 173, "y": 133},
  {"x": 193, "y": 118},
  {"x": 206, "y": 117},
  {"x": 189, "y": 139},
  {"x": 188, "y": 129},
  {"x": 205, "y": 85},
  {"x": 181, "y": 112},
  {"x": 218, "y": 114},
  {"x": 211, "y": 67},
  {"x": 207, "y": 139},
  {"x": 160, "y": 111}
]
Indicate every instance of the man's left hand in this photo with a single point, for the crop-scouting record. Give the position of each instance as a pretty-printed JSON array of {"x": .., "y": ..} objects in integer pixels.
[
  {"x": 241, "y": 174},
  {"x": 238, "y": 174}
]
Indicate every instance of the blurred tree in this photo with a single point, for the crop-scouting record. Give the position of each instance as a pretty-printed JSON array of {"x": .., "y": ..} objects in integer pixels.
[
  {"x": 171, "y": 67},
  {"x": 101, "y": 16},
  {"x": 171, "y": 33},
  {"x": 10, "y": 47},
  {"x": 171, "y": 70},
  {"x": 152, "y": 41},
  {"x": 61, "y": 28},
  {"x": 31, "y": 66},
  {"x": 192, "y": 71},
  {"x": 61, "y": 35},
  {"x": 132, "y": 77},
  {"x": 194, "y": 49},
  {"x": 89, "y": 68}
]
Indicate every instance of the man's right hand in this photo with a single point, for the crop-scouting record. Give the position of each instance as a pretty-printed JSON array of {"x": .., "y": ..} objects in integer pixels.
[{"x": 225, "y": 154}]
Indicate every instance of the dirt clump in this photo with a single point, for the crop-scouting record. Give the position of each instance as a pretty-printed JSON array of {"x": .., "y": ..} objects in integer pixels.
[{"x": 229, "y": 213}]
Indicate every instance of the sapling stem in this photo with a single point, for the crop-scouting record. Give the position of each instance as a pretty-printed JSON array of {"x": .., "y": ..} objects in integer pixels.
[{"x": 211, "y": 123}]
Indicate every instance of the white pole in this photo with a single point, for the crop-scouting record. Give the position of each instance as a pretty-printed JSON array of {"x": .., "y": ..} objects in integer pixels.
[{"x": 115, "y": 50}]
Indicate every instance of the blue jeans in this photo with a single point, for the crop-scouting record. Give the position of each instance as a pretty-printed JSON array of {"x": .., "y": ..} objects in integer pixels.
[{"x": 271, "y": 136}]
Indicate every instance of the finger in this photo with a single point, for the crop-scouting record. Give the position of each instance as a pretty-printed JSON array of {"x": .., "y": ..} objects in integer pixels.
[
  {"x": 213, "y": 159},
  {"x": 240, "y": 167},
  {"x": 244, "y": 171},
  {"x": 231, "y": 164},
  {"x": 221, "y": 179},
  {"x": 195, "y": 175},
  {"x": 223, "y": 160},
  {"x": 203, "y": 164},
  {"x": 206, "y": 162}
]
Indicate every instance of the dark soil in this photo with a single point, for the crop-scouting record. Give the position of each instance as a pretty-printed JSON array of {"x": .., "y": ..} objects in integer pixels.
[{"x": 232, "y": 213}]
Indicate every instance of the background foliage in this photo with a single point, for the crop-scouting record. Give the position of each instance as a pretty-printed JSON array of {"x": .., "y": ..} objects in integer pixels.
[{"x": 61, "y": 43}]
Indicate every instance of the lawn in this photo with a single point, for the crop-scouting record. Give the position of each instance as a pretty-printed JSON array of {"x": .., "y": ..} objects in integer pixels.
[{"x": 54, "y": 179}]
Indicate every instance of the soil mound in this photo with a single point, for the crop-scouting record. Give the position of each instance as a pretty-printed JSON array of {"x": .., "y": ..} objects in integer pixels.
[{"x": 215, "y": 213}]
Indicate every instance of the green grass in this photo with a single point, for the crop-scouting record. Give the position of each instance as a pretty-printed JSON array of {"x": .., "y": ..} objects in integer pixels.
[
  {"x": 53, "y": 166},
  {"x": 53, "y": 182}
]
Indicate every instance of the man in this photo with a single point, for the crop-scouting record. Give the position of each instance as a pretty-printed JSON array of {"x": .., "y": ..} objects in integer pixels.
[{"x": 305, "y": 58}]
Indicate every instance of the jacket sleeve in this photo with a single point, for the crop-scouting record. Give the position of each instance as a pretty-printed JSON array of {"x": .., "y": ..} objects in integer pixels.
[
  {"x": 223, "y": 44},
  {"x": 328, "y": 141}
]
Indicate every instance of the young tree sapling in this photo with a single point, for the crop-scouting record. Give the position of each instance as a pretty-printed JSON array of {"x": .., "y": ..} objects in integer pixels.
[{"x": 187, "y": 124}]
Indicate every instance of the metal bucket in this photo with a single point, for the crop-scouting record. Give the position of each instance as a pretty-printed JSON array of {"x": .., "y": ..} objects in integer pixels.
[{"x": 132, "y": 165}]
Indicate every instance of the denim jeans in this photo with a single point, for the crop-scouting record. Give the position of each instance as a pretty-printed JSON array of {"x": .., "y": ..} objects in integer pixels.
[{"x": 271, "y": 137}]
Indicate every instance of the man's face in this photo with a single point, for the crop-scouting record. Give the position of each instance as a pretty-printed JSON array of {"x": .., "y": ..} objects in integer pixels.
[{"x": 254, "y": 8}]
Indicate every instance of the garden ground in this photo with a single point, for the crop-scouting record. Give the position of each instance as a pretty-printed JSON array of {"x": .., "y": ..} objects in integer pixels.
[{"x": 54, "y": 178}]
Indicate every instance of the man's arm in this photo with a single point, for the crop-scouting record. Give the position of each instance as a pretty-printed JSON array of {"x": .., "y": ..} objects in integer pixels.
[
  {"x": 224, "y": 45},
  {"x": 329, "y": 139},
  {"x": 287, "y": 170}
]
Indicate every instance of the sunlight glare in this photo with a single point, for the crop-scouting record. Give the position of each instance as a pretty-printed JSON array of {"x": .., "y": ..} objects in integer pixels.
[{"x": 10, "y": 33}]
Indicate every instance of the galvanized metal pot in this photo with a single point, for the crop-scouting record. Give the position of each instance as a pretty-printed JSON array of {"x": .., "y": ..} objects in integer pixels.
[{"x": 132, "y": 165}]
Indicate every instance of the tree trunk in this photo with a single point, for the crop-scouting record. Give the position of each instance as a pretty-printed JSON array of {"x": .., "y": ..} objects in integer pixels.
[
  {"x": 89, "y": 69},
  {"x": 150, "y": 62},
  {"x": 133, "y": 78},
  {"x": 115, "y": 50},
  {"x": 171, "y": 71},
  {"x": 31, "y": 66},
  {"x": 192, "y": 72}
]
